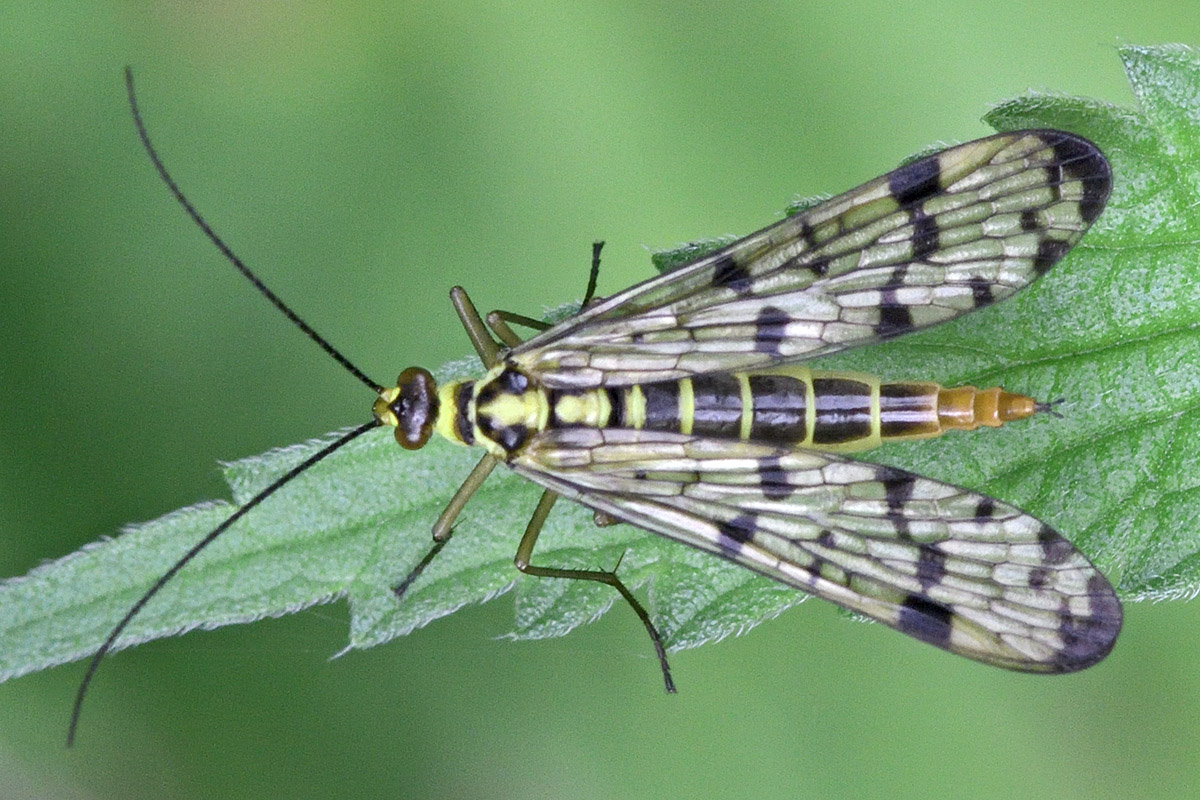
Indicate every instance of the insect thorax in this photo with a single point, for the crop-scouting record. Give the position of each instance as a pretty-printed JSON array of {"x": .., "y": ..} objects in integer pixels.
[{"x": 835, "y": 411}]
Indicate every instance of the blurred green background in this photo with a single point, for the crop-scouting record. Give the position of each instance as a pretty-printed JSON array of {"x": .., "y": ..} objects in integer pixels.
[{"x": 366, "y": 158}]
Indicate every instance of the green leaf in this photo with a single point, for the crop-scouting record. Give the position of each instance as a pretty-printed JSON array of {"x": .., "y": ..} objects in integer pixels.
[{"x": 1112, "y": 330}]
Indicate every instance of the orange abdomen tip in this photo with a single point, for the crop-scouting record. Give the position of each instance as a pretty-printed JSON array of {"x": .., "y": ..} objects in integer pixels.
[{"x": 965, "y": 408}]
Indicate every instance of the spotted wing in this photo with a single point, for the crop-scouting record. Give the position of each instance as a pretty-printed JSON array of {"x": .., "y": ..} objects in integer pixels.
[
  {"x": 937, "y": 238},
  {"x": 945, "y": 565}
]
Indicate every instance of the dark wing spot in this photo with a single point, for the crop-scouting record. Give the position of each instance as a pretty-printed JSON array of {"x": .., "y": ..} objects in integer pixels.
[
  {"x": 895, "y": 317},
  {"x": 729, "y": 274},
  {"x": 819, "y": 266},
  {"x": 1055, "y": 549},
  {"x": 1082, "y": 161},
  {"x": 806, "y": 236},
  {"x": 1087, "y": 639},
  {"x": 736, "y": 532},
  {"x": 1039, "y": 578},
  {"x": 769, "y": 330},
  {"x": 898, "y": 489},
  {"x": 915, "y": 182},
  {"x": 931, "y": 566},
  {"x": 1029, "y": 220},
  {"x": 985, "y": 508},
  {"x": 1048, "y": 254},
  {"x": 773, "y": 479},
  {"x": 1054, "y": 179},
  {"x": 925, "y": 235},
  {"x": 924, "y": 619},
  {"x": 981, "y": 292}
]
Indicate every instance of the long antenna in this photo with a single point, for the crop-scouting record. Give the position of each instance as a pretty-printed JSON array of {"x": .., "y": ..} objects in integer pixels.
[
  {"x": 337, "y": 444},
  {"x": 137, "y": 607},
  {"x": 225, "y": 249}
]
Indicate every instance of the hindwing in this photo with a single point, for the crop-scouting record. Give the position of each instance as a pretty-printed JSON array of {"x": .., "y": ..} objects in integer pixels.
[{"x": 943, "y": 564}]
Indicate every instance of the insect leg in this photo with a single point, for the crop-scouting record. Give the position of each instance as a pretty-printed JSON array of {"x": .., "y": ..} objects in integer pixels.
[
  {"x": 481, "y": 340},
  {"x": 593, "y": 275},
  {"x": 445, "y": 522},
  {"x": 525, "y": 552},
  {"x": 498, "y": 322}
]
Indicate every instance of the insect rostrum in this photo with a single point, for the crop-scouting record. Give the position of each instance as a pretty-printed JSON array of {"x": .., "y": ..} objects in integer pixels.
[{"x": 680, "y": 406}]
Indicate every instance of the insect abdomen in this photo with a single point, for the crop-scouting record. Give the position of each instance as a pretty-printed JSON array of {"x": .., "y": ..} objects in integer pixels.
[{"x": 825, "y": 410}]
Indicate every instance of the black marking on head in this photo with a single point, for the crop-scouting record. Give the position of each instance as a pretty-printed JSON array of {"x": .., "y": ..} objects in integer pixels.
[
  {"x": 616, "y": 401},
  {"x": 1029, "y": 220},
  {"x": 729, "y": 274},
  {"x": 931, "y": 566},
  {"x": 985, "y": 508},
  {"x": 736, "y": 532},
  {"x": 907, "y": 409},
  {"x": 925, "y": 234},
  {"x": 462, "y": 417},
  {"x": 981, "y": 292},
  {"x": 925, "y": 619},
  {"x": 1048, "y": 254},
  {"x": 1082, "y": 161},
  {"x": 1087, "y": 639},
  {"x": 843, "y": 410},
  {"x": 1055, "y": 549},
  {"x": 717, "y": 405},
  {"x": 662, "y": 405},
  {"x": 778, "y": 413},
  {"x": 915, "y": 182},
  {"x": 773, "y": 479},
  {"x": 895, "y": 317},
  {"x": 770, "y": 330}
]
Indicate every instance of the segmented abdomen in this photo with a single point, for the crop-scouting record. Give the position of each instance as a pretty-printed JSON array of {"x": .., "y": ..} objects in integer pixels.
[{"x": 837, "y": 411}]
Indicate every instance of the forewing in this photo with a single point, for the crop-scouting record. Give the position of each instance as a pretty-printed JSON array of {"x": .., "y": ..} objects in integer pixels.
[
  {"x": 945, "y": 565},
  {"x": 934, "y": 239}
]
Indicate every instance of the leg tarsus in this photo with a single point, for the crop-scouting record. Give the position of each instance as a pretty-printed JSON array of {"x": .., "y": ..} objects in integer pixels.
[
  {"x": 444, "y": 527},
  {"x": 525, "y": 552},
  {"x": 400, "y": 588}
]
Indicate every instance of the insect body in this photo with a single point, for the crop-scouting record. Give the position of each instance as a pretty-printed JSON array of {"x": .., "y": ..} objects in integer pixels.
[
  {"x": 666, "y": 406},
  {"x": 677, "y": 405}
]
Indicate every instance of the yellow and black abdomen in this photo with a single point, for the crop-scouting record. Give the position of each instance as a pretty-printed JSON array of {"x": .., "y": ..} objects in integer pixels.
[{"x": 825, "y": 410}]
